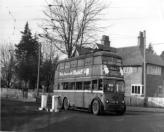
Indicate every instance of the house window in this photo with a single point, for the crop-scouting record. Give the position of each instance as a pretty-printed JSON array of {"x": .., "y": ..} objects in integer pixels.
[
  {"x": 153, "y": 70},
  {"x": 136, "y": 89}
]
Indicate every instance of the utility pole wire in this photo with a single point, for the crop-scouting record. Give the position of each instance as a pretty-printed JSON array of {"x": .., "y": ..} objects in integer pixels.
[{"x": 157, "y": 43}]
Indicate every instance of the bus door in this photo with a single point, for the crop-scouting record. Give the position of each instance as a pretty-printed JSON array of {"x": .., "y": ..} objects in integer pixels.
[
  {"x": 79, "y": 95},
  {"x": 94, "y": 89}
]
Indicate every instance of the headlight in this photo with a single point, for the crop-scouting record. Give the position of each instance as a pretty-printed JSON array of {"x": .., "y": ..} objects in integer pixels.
[
  {"x": 107, "y": 101},
  {"x": 123, "y": 102}
]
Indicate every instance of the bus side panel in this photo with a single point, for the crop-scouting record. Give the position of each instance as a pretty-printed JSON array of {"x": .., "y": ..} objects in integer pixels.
[
  {"x": 68, "y": 95},
  {"x": 79, "y": 98},
  {"x": 89, "y": 96}
]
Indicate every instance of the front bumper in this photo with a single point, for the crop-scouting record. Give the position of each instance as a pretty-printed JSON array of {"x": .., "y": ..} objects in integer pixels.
[{"x": 114, "y": 107}]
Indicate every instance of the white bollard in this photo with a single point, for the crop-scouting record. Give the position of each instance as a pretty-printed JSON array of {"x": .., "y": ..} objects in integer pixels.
[
  {"x": 55, "y": 103},
  {"x": 43, "y": 102}
]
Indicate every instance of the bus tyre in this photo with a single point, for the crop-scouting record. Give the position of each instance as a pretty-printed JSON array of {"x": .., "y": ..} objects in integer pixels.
[
  {"x": 96, "y": 107},
  {"x": 65, "y": 104}
]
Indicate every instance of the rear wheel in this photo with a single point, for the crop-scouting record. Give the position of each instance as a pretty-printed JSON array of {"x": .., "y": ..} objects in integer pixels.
[
  {"x": 96, "y": 107},
  {"x": 65, "y": 104}
]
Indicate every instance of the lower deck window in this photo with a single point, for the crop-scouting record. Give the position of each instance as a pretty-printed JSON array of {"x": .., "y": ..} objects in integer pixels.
[
  {"x": 100, "y": 86},
  {"x": 94, "y": 85},
  {"x": 79, "y": 85},
  {"x": 65, "y": 85},
  {"x": 87, "y": 85}
]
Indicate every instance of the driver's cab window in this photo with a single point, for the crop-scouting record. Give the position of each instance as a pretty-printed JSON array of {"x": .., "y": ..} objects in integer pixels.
[
  {"x": 120, "y": 86},
  {"x": 100, "y": 84},
  {"x": 109, "y": 86}
]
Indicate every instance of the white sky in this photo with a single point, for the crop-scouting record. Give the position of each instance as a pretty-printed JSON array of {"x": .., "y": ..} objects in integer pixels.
[{"x": 124, "y": 19}]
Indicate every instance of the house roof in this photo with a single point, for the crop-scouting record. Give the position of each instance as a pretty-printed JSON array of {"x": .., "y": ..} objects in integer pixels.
[
  {"x": 133, "y": 56},
  {"x": 83, "y": 50},
  {"x": 154, "y": 59},
  {"x": 101, "y": 47}
]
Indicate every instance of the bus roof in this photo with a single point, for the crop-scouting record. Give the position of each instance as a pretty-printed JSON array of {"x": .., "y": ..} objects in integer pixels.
[{"x": 96, "y": 53}]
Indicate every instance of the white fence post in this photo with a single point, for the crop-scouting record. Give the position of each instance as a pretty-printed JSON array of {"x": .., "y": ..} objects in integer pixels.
[
  {"x": 55, "y": 103},
  {"x": 43, "y": 102}
]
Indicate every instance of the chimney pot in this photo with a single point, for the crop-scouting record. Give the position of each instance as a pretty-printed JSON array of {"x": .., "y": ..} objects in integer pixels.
[
  {"x": 105, "y": 41},
  {"x": 141, "y": 39}
]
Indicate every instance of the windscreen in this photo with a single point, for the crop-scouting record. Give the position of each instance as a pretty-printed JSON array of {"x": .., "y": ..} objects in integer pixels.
[
  {"x": 114, "y": 86},
  {"x": 109, "y": 85},
  {"x": 120, "y": 86}
]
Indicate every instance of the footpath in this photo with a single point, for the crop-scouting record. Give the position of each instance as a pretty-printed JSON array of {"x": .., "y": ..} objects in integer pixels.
[
  {"x": 128, "y": 108},
  {"x": 23, "y": 99},
  {"x": 144, "y": 109}
]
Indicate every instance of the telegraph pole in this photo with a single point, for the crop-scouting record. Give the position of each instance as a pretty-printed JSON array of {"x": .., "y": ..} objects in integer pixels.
[
  {"x": 145, "y": 98},
  {"x": 39, "y": 50}
]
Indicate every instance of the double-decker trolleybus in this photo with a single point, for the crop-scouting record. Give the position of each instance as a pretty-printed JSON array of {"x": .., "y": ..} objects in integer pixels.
[{"x": 93, "y": 81}]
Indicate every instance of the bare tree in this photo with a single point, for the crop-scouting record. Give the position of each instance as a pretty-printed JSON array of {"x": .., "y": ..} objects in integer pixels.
[
  {"x": 7, "y": 64},
  {"x": 49, "y": 51},
  {"x": 73, "y": 23}
]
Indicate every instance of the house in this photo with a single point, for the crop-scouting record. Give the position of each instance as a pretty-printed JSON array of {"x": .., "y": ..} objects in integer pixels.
[
  {"x": 133, "y": 67},
  {"x": 105, "y": 45}
]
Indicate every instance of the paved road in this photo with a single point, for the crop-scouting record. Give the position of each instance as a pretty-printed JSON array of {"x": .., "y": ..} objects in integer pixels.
[
  {"x": 75, "y": 121},
  {"x": 26, "y": 117}
]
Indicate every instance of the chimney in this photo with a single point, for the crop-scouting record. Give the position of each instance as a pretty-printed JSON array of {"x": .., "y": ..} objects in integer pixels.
[
  {"x": 141, "y": 40},
  {"x": 105, "y": 41}
]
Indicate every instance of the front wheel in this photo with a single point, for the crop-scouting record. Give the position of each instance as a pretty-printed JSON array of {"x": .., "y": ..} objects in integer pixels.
[
  {"x": 65, "y": 104},
  {"x": 96, "y": 107}
]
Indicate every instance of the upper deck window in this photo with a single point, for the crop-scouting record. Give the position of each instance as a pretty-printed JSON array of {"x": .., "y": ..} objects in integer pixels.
[
  {"x": 88, "y": 61},
  {"x": 97, "y": 60},
  {"x": 81, "y": 62},
  {"x": 73, "y": 63},
  {"x": 111, "y": 60},
  {"x": 107, "y": 60},
  {"x": 58, "y": 67},
  {"x": 67, "y": 65},
  {"x": 119, "y": 62},
  {"x": 61, "y": 66}
]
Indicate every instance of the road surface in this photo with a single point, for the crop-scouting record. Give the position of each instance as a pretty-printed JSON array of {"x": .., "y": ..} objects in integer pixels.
[
  {"x": 75, "y": 121},
  {"x": 26, "y": 117}
]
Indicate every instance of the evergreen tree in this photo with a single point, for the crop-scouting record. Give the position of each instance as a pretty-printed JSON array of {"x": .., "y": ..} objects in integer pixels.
[
  {"x": 162, "y": 55},
  {"x": 150, "y": 49},
  {"x": 27, "y": 57},
  {"x": 48, "y": 68}
]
